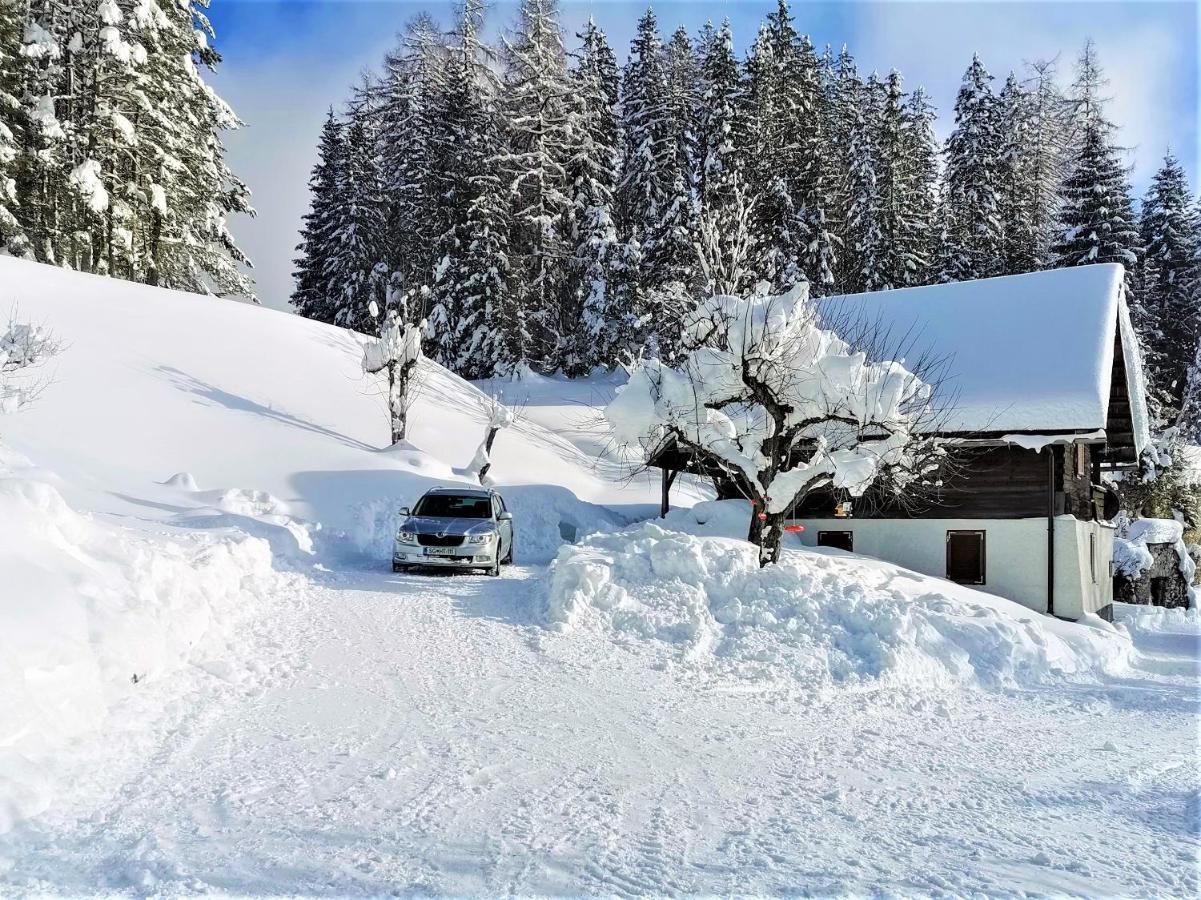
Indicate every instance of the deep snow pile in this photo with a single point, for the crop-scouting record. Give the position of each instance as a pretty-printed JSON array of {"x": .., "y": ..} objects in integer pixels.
[
  {"x": 90, "y": 612},
  {"x": 814, "y": 621}
]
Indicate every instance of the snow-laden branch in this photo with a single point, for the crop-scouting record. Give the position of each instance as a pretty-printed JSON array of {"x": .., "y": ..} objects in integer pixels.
[{"x": 779, "y": 403}]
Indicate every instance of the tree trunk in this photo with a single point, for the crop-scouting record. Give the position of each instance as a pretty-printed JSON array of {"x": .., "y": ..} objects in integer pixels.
[
  {"x": 398, "y": 377},
  {"x": 766, "y": 533}
]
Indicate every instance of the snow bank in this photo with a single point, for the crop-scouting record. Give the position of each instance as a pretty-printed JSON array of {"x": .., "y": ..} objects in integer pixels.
[
  {"x": 89, "y": 612},
  {"x": 814, "y": 621}
]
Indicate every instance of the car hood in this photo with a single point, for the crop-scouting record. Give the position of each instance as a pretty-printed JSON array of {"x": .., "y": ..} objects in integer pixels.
[{"x": 423, "y": 525}]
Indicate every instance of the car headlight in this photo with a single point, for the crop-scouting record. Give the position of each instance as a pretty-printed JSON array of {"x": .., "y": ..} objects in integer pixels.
[
  {"x": 406, "y": 537},
  {"x": 479, "y": 538}
]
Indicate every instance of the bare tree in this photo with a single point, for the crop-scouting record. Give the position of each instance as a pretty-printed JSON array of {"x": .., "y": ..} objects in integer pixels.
[
  {"x": 397, "y": 352},
  {"x": 23, "y": 349},
  {"x": 499, "y": 416},
  {"x": 783, "y": 407},
  {"x": 725, "y": 244}
]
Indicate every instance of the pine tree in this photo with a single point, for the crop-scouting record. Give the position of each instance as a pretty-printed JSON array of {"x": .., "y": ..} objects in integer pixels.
[
  {"x": 918, "y": 235},
  {"x": 12, "y": 131},
  {"x": 644, "y": 181},
  {"x": 1015, "y": 191},
  {"x": 476, "y": 330},
  {"x": 1167, "y": 308},
  {"x": 601, "y": 296},
  {"x": 313, "y": 296},
  {"x": 973, "y": 226},
  {"x": 536, "y": 113},
  {"x": 354, "y": 269},
  {"x": 1097, "y": 221},
  {"x": 865, "y": 257},
  {"x": 412, "y": 168},
  {"x": 722, "y": 126}
]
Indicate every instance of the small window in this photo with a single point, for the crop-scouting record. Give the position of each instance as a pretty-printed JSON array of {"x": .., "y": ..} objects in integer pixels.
[
  {"x": 1092, "y": 556},
  {"x": 965, "y": 557},
  {"x": 1081, "y": 459},
  {"x": 843, "y": 540}
]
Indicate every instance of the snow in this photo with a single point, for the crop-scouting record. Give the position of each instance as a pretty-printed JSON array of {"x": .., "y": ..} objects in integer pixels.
[
  {"x": 92, "y": 610},
  {"x": 813, "y": 622},
  {"x": 1023, "y": 352},
  {"x": 203, "y": 496}
]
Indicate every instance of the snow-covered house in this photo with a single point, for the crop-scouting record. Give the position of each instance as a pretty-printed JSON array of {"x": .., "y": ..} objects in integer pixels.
[{"x": 1046, "y": 380}]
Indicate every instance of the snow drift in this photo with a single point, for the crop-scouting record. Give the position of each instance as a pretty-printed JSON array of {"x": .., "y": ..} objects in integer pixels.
[
  {"x": 90, "y": 611},
  {"x": 813, "y": 621}
]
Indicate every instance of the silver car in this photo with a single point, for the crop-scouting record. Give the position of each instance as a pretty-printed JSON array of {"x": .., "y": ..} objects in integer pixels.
[{"x": 455, "y": 528}]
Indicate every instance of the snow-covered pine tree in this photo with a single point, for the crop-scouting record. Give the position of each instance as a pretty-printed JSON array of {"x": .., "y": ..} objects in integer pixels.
[
  {"x": 973, "y": 154},
  {"x": 411, "y": 169},
  {"x": 12, "y": 129},
  {"x": 313, "y": 296},
  {"x": 479, "y": 331},
  {"x": 867, "y": 251},
  {"x": 722, "y": 127},
  {"x": 919, "y": 175},
  {"x": 122, "y": 170},
  {"x": 682, "y": 105},
  {"x": 1015, "y": 191},
  {"x": 354, "y": 269},
  {"x": 815, "y": 174},
  {"x": 1097, "y": 222},
  {"x": 601, "y": 297},
  {"x": 186, "y": 189},
  {"x": 536, "y": 115},
  {"x": 792, "y": 165},
  {"x": 1168, "y": 310},
  {"x": 847, "y": 97},
  {"x": 642, "y": 188}
]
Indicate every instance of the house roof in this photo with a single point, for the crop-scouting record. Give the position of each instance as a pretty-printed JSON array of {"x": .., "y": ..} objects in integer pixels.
[{"x": 1028, "y": 353}]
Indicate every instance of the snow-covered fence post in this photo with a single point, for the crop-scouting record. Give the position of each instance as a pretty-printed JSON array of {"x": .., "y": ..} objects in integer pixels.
[
  {"x": 499, "y": 416},
  {"x": 23, "y": 347},
  {"x": 396, "y": 351},
  {"x": 784, "y": 406}
]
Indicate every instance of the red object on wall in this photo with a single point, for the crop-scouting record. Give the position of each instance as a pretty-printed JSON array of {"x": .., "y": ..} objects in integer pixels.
[{"x": 794, "y": 529}]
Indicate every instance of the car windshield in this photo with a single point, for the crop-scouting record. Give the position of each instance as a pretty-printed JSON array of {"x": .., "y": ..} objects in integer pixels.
[{"x": 454, "y": 506}]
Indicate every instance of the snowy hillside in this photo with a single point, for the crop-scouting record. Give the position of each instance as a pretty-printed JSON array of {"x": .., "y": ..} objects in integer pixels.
[{"x": 209, "y": 679}]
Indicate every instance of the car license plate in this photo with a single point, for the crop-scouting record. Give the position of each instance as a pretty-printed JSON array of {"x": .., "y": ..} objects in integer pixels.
[{"x": 439, "y": 551}]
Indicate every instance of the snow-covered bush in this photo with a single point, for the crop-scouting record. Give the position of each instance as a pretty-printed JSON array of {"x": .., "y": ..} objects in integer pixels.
[
  {"x": 23, "y": 347},
  {"x": 397, "y": 352},
  {"x": 781, "y": 405}
]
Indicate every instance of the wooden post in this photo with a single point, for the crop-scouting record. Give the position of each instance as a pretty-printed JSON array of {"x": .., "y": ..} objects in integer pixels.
[{"x": 669, "y": 478}]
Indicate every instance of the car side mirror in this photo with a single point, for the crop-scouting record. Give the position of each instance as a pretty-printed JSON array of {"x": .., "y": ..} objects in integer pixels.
[
  {"x": 506, "y": 516},
  {"x": 404, "y": 511}
]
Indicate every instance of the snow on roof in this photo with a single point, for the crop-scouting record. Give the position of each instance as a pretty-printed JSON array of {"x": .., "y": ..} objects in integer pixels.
[{"x": 1023, "y": 352}]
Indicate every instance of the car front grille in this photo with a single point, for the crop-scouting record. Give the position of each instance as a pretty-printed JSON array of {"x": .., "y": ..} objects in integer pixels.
[{"x": 438, "y": 540}]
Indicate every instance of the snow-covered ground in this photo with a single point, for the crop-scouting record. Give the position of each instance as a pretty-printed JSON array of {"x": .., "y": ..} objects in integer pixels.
[{"x": 199, "y": 499}]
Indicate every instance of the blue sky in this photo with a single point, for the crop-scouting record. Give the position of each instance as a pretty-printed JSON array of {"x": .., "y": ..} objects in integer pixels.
[{"x": 287, "y": 61}]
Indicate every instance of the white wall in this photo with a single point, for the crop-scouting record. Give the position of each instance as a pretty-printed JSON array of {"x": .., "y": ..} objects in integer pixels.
[{"x": 1015, "y": 555}]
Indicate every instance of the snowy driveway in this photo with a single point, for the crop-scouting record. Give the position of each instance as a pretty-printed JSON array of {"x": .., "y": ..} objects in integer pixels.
[{"x": 427, "y": 736}]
